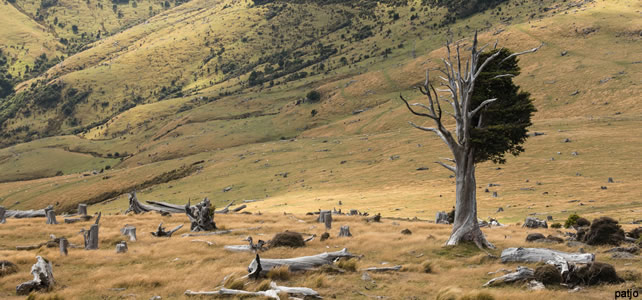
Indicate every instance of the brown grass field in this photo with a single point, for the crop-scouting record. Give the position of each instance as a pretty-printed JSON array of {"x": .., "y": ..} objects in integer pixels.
[{"x": 169, "y": 266}]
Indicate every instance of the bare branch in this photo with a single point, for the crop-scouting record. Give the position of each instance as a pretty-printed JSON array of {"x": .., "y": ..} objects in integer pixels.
[
  {"x": 414, "y": 112},
  {"x": 436, "y": 131},
  {"x": 522, "y": 53},
  {"x": 482, "y": 105},
  {"x": 489, "y": 59},
  {"x": 448, "y": 159},
  {"x": 503, "y": 75},
  {"x": 449, "y": 167}
]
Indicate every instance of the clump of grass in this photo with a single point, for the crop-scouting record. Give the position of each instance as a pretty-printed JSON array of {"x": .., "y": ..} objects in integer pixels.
[
  {"x": 426, "y": 266},
  {"x": 556, "y": 225},
  {"x": 318, "y": 281},
  {"x": 478, "y": 296},
  {"x": 263, "y": 286},
  {"x": 234, "y": 283},
  {"x": 348, "y": 264},
  {"x": 280, "y": 273},
  {"x": 448, "y": 293}
]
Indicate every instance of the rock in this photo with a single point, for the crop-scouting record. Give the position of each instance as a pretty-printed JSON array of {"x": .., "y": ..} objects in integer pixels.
[
  {"x": 535, "y": 285},
  {"x": 555, "y": 239},
  {"x": 622, "y": 255},
  {"x": 406, "y": 231},
  {"x": 566, "y": 140},
  {"x": 121, "y": 247},
  {"x": 594, "y": 273},
  {"x": 574, "y": 153},
  {"x": 604, "y": 231},
  {"x": 610, "y": 180},
  {"x": 564, "y": 53},
  {"x": 573, "y": 244},
  {"x": 534, "y": 236},
  {"x": 499, "y": 210},
  {"x": 394, "y": 157},
  {"x": 532, "y": 222},
  {"x": 7, "y": 267},
  {"x": 366, "y": 277},
  {"x": 325, "y": 236},
  {"x": 548, "y": 275},
  {"x": 227, "y": 189},
  {"x": 495, "y": 195},
  {"x": 287, "y": 239},
  {"x": 603, "y": 188}
]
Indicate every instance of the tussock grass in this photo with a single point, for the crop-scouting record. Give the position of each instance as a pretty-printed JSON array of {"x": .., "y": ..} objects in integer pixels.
[{"x": 281, "y": 273}]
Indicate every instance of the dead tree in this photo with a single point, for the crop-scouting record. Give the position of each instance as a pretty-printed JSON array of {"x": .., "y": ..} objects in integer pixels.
[
  {"x": 272, "y": 293},
  {"x": 51, "y": 215},
  {"x": 91, "y": 236},
  {"x": 129, "y": 231},
  {"x": 135, "y": 206},
  {"x": 470, "y": 119},
  {"x": 2, "y": 217},
  {"x": 82, "y": 209},
  {"x": 345, "y": 231},
  {"x": 19, "y": 214},
  {"x": 42, "y": 278},
  {"x": 201, "y": 216},
  {"x": 160, "y": 232},
  {"x": 64, "y": 244},
  {"x": 534, "y": 255},
  {"x": 522, "y": 274},
  {"x": 260, "y": 266}
]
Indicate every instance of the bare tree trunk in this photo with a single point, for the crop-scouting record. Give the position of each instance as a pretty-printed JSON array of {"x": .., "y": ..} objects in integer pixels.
[
  {"x": 91, "y": 237},
  {"x": 129, "y": 231},
  {"x": 82, "y": 209},
  {"x": 63, "y": 246},
  {"x": 51, "y": 215},
  {"x": 466, "y": 228}
]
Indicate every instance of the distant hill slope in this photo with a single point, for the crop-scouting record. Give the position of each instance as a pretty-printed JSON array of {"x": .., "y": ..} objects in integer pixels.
[{"x": 144, "y": 103}]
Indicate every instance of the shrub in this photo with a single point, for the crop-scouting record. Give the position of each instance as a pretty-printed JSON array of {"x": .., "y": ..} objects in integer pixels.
[
  {"x": 280, "y": 273},
  {"x": 348, "y": 264},
  {"x": 313, "y": 96},
  {"x": 571, "y": 220},
  {"x": 604, "y": 231},
  {"x": 548, "y": 274},
  {"x": 556, "y": 225},
  {"x": 287, "y": 239}
]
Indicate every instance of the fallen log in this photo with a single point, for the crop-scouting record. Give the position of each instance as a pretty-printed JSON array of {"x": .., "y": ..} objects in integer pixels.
[
  {"x": 42, "y": 278},
  {"x": 138, "y": 208},
  {"x": 79, "y": 219},
  {"x": 382, "y": 269},
  {"x": 129, "y": 231},
  {"x": 247, "y": 248},
  {"x": 225, "y": 210},
  {"x": 260, "y": 266},
  {"x": 168, "y": 207},
  {"x": 239, "y": 208},
  {"x": 272, "y": 293},
  {"x": 543, "y": 255},
  {"x": 19, "y": 214},
  {"x": 160, "y": 231},
  {"x": 220, "y": 232},
  {"x": 521, "y": 274}
]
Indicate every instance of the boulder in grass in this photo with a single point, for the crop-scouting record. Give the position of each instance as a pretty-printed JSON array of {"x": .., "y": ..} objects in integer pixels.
[
  {"x": 531, "y": 237},
  {"x": 532, "y": 222}
]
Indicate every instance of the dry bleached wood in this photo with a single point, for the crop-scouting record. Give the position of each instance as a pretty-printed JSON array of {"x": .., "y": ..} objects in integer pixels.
[
  {"x": 129, "y": 231},
  {"x": 260, "y": 266},
  {"x": 91, "y": 236},
  {"x": 382, "y": 269},
  {"x": 522, "y": 273},
  {"x": 201, "y": 216},
  {"x": 82, "y": 209},
  {"x": 18, "y": 214},
  {"x": 533, "y": 255},
  {"x": 441, "y": 218},
  {"x": 64, "y": 244},
  {"x": 247, "y": 248},
  {"x": 345, "y": 231},
  {"x": 42, "y": 278},
  {"x": 272, "y": 293},
  {"x": 160, "y": 231},
  {"x": 325, "y": 216}
]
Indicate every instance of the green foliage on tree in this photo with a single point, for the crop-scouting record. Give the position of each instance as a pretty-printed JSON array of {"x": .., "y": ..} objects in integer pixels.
[
  {"x": 504, "y": 122},
  {"x": 6, "y": 80}
]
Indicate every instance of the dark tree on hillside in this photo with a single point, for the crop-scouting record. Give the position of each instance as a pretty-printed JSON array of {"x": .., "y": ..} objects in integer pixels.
[
  {"x": 6, "y": 80},
  {"x": 491, "y": 117}
]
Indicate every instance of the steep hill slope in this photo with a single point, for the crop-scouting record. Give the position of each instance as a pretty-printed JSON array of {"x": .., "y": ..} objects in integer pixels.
[{"x": 166, "y": 125}]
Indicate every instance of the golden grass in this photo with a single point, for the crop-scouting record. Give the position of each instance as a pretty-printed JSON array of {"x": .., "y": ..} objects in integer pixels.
[{"x": 169, "y": 266}]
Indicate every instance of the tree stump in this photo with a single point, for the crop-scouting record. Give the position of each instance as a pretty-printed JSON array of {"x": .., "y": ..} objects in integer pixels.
[
  {"x": 82, "y": 209},
  {"x": 129, "y": 231},
  {"x": 51, "y": 215},
  {"x": 121, "y": 247},
  {"x": 91, "y": 237},
  {"x": 322, "y": 215},
  {"x": 42, "y": 278},
  {"x": 354, "y": 212},
  {"x": 64, "y": 244},
  {"x": 327, "y": 219},
  {"x": 201, "y": 216},
  {"x": 345, "y": 231},
  {"x": 2, "y": 217},
  {"x": 441, "y": 218}
]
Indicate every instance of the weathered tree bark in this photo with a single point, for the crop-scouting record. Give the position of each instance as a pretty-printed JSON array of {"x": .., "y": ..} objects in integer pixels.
[
  {"x": 322, "y": 214},
  {"x": 82, "y": 209},
  {"x": 521, "y": 274},
  {"x": 382, "y": 269},
  {"x": 121, "y": 247},
  {"x": 532, "y": 255},
  {"x": 345, "y": 231},
  {"x": 327, "y": 220},
  {"x": 51, "y": 215},
  {"x": 42, "y": 278},
  {"x": 263, "y": 265},
  {"x": 273, "y": 292},
  {"x": 168, "y": 207},
  {"x": 91, "y": 237},
  {"x": 129, "y": 231},
  {"x": 460, "y": 86},
  {"x": 19, "y": 214},
  {"x": 64, "y": 244},
  {"x": 160, "y": 232},
  {"x": 2, "y": 213},
  {"x": 200, "y": 216}
]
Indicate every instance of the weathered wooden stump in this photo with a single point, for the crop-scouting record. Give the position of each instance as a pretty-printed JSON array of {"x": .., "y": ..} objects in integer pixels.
[
  {"x": 201, "y": 216},
  {"x": 345, "y": 231},
  {"x": 82, "y": 209},
  {"x": 121, "y": 247},
  {"x": 327, "y": 220},
  {"x": 51, "y": 215},
  {"x": 42, "y": 278},
  {"x": 129, "y": 231},
  {"x": 64, "y": 244},
  {"x": 441, "y": 218},
  {"x": 91, "y": 235},
  {"x": 322, "y": 214},
  {"x": 2, "y": 215}
]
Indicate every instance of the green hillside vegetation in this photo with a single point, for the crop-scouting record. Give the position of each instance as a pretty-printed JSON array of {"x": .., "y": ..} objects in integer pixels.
[{"x": 175, "y": 90}]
